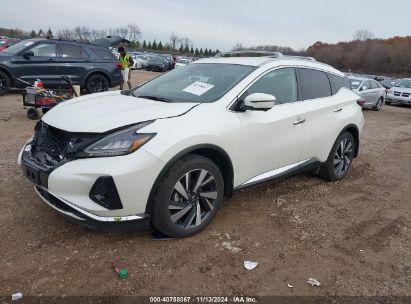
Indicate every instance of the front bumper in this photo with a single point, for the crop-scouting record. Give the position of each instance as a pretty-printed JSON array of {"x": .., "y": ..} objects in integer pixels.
[
  {"x": 398, "y": 99},
  {"x": 70, "y": 185}
]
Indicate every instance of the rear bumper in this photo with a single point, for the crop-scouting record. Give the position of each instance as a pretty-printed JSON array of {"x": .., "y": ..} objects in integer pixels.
[{"x": 82, "y": 217}]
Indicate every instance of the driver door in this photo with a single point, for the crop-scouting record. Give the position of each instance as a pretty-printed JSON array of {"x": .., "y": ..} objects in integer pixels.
[
  {"x": 272, "y": 141},
  {"x": 42, "y": 65}
]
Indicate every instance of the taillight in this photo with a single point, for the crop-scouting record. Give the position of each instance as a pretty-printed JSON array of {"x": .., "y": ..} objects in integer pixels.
[{"x": 361, "y": 102}]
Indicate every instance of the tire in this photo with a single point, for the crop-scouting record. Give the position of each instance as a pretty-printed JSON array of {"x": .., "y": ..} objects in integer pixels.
[
  {"x": 378, "y": 105},
  {"x": 4, "y": 83},
  {"x": 181, "y": 219},
  {"x": 334, "y": 170},
  {"x": 96, "y": 83},
  {"x": 32, "y": 114}
]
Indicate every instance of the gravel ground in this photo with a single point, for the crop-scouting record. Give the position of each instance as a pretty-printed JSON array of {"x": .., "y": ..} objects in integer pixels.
[{"x": 353, "y": 235}]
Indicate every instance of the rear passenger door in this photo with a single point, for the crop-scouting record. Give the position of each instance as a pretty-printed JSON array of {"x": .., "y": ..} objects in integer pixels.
[
  {"x": 73, "y": 61},
  {"x": 324, "y": 112}
]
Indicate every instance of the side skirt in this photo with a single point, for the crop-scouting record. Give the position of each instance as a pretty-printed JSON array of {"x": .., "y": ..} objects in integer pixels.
[{"x": 281, "y": 173}]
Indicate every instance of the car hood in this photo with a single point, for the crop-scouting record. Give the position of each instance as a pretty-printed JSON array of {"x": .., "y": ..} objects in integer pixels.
[
  {"x": 402, "y": 90},
  {"x": 102, "y": 112}
]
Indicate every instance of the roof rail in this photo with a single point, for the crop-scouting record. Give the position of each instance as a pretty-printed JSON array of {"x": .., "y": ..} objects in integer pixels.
[
  {"x": 302, "y": 57},
  {"x": 250, "y": 53}
]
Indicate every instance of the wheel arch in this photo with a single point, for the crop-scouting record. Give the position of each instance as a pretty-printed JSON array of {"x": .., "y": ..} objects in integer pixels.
[
  {"x": 353, "y": 130},
  {"x": 94, "y": 72},
  {"x": 9, "y": 74},
  {"x": 216, "y": 154}
]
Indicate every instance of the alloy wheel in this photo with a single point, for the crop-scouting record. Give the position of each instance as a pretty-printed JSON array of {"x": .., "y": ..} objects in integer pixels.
[
  {"x": 343, "y": 156},
  {"x": 193, "y": 198},
  {"x": 97, "y": 85}
]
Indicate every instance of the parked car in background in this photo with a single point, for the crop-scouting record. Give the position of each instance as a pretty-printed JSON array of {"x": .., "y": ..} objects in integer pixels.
[
  {"x": 182, "y": 62},
  {"x": 170, "y": 59},
  {"x": 400, "y": 92},
  {"x": 92, "y": 66},
  {"x": 7, "y": 42},
  {"x": 168, "y": 151},
  {"x": 158, "y": 64},
  {"x": 370, "y": 90}
]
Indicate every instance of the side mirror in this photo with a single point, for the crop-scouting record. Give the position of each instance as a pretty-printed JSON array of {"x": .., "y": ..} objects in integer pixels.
[
  {"x": 28, "y": 54},
  {"x": 259, "y": 102}
]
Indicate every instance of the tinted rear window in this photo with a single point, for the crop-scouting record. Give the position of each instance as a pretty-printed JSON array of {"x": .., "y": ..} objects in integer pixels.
[
  {"x": 314, "y": 84},
  {"x": 337, "y": 82},
  {"x": 72, "y": 51},
  {"x": 104, "y": 54}
]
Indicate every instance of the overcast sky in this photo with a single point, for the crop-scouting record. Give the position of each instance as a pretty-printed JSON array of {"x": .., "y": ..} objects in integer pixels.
[{"x": 219, "y": 23}]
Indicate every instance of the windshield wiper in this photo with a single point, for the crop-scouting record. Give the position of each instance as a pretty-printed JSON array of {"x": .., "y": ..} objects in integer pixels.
[{"x": 156, "y": 98}]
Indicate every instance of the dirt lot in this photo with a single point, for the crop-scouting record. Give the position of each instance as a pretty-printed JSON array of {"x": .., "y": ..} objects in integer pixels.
[{"x": 354, "y": 235}]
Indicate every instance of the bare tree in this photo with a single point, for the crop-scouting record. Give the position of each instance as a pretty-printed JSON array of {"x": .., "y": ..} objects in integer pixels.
[
  {"x": 78, "y": 33},
  {"x": 66, "y": 34},
  {"x": 134, "y": 32},
  {"x": 102, "y": 34},
  {"x": 363, "y": 35},
  {"x": 122, "y": 31},
  {"x": 187, "y": 42},
  {"x": 238, "y": 47},
  {"x": 174, "y": 39},
  {"x": 94, "y": 34}
]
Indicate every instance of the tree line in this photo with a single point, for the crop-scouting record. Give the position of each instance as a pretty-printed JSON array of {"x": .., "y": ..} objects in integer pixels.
[{"x": 131, "y": 32}]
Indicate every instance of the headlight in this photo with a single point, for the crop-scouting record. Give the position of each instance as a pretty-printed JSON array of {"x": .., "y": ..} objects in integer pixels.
[{"x": 119, "y": 143}]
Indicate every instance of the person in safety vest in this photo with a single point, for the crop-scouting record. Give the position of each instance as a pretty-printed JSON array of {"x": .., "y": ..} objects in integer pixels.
[{"x": 126, "y": 62}]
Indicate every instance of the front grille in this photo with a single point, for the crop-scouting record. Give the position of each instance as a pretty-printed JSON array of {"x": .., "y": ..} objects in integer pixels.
[
  {"x": 397, "y": 93},
  {"x": 49, "y": 144},
  {"x": 406, "y": 94}
]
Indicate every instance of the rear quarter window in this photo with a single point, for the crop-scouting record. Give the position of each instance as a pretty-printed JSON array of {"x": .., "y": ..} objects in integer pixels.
[
  {"x": 337, "y": 82},
  {"x": 104, "y": 54}
]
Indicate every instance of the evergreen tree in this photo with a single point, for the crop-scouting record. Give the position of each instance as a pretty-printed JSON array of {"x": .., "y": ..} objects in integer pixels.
[
  {"x": 138, "y": 45},
  {"x": 49, "y": 33},
  {"x": 33, "y": 34},
  {"x": 144, "y": 44},
  {"x": 192, "y": 51},
  {"x": 206, "y": 52},
  {"x": 201, "y": 52},
  {"x": 149, "y": 45},
  {"x": 154, "y": 46},
  {"x": 197, "y": 52},
  {"x": 186, "y": 49},
  {"x": 40, "y": 33},
  {"x": 181, "y": 49},
  {"x": 160, "y": 45},
  {"x": 217, "y": 51}
]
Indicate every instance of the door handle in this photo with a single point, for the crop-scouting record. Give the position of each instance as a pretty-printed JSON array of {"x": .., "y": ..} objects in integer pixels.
[
  {"x": 338, "y": 110},
  {"x": 299, "y": 121}
]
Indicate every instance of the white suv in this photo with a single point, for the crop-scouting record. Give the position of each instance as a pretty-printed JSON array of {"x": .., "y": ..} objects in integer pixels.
[{"x": 168, "y": 151}]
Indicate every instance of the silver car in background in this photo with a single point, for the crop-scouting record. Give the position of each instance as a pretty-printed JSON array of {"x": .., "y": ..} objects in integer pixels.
[
  {"x": 400, "y": 92},
  {"x": 370, "y": 90}
]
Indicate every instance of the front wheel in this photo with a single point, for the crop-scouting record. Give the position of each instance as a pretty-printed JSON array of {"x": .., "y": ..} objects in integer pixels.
[
  {"x": 340, "y": 158},
  {"x": 188, "y": 197},
  {"x": 4, "y": 83},
  {"x": 378, "y": 105},
  {"x": 96, "y": 83}
]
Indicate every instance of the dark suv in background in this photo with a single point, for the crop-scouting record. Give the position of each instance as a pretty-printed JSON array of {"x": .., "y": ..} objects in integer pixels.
[{"x": 91, "y": 66}]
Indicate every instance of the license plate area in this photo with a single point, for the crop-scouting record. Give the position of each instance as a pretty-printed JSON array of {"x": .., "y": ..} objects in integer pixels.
[{"x": 32, "y": 173}]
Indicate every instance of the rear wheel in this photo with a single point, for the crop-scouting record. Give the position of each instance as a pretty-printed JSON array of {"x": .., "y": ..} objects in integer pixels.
[
  {"x": 340, "y": 158},
  {"x": 188, "y": 197},
  {"x": 378, "y": 105},
  {"x": 4, "y": 83},
  {"x": 96, "y": 83}
]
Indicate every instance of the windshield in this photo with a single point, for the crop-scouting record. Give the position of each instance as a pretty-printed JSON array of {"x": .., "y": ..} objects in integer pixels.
[
  {"x": 18, "y": 47},
  {"x": 185, "y": 61},
  {"x": 355, "y": 83},
  {"x": 403, "y": 83},
  {"x": 204, "y": 83}
]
